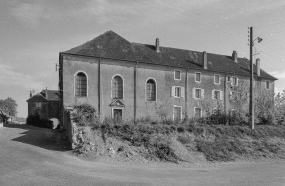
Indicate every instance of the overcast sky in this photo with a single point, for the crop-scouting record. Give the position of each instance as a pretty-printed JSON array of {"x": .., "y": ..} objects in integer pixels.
[{"x": 33, "y": 32}]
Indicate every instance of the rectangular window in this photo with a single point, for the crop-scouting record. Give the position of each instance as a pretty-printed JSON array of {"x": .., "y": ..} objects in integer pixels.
[
  {"x": 197, "y": 112},
  {"x": 234, "y": 81},
  {"x": 117, "y": 114},
  {"x": 177, "y": 92},
  {"x": 198, "y": 93},
  {"x": 197, "y": 77},
  {"x": 38, "y": 104},
  {"x": 216, "y": 79},
  {"x": 229, "y": 78},
  {"x": 267, "y": 84},
  {"x": 216, "y": 94},
  {"x": 177, "y": 113},
  {"x": 177, "y": 75}
]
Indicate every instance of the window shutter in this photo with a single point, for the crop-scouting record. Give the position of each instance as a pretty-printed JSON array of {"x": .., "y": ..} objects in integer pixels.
[
  {"x": 237, "y": 82},
  {"x": 202, "y": 93},
  {"x": 213, "y": 94},
  {"x": 172, "y": 91},
  {"x": 221, "y": 95},
  {"x": 182, "y": 92},
  {"x": 193, "y": 93}
]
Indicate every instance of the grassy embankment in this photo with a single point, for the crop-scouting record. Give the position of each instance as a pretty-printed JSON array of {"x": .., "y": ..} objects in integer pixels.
[{"x": 182, "y": 142}]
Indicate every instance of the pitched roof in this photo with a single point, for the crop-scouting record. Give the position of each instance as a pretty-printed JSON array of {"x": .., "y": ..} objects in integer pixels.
[
  {"x": 111, "y": 45},
  {"x": 52, "y": 95}
]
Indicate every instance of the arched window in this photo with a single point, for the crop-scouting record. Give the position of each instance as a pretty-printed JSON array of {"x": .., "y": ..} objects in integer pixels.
[
  {"x": 117, "y": 87},
  {"x": 150, "y": 90},
  {"x": 80, "y": 84}
]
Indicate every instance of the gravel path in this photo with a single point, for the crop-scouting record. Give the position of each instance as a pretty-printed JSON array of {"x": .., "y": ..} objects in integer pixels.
[{"x": 28, "y": 157}]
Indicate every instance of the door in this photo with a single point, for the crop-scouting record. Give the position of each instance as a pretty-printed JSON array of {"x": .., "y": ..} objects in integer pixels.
[{"x": 117, "y": 114}]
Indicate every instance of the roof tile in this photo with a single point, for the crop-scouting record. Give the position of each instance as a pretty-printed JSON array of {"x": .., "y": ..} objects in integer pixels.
[{"x": 111, "y": 45}]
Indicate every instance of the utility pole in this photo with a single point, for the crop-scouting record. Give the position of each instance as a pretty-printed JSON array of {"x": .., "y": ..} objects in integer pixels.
[{"x": 251, "y": 99}]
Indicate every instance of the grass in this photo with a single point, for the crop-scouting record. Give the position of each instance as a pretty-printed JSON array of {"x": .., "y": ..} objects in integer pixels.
[{"x": 177, "y": 142}]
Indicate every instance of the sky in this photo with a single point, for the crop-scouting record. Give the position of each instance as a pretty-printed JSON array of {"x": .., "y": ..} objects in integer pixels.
[{"x": 33, "y": 32}]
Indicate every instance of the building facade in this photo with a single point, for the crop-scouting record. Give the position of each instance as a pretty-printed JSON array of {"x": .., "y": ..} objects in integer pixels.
[
  {"x": 131, "y": 80},
  {"x": 45, "y": 104}
]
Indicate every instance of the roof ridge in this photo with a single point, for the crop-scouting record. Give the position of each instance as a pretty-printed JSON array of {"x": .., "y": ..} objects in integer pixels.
[{"x": 187, "y": 50}]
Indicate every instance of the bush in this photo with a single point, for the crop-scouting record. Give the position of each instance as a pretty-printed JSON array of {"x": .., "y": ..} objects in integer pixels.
[
  {"x": 84, "y": 115},
  {"x": 36, "y": 121}
]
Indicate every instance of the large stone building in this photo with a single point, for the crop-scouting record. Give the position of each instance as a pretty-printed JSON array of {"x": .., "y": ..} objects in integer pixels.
[
  {"x": 44, "y": 103},
  {"x": 129, "y": 80}
]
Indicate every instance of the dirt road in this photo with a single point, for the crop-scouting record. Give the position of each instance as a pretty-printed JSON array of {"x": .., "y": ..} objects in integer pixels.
[{"x": 28, "y": 157}]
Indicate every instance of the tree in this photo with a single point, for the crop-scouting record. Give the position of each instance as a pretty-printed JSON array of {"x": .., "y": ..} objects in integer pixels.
[
  {"x": 279, "y": 110},
  {"x": 9, "y": 106}
]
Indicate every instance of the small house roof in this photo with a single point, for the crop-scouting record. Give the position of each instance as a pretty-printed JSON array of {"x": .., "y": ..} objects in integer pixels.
[{"x": 44, "y": 96}]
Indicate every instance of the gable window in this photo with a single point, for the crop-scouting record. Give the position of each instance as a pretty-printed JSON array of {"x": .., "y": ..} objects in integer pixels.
[
  {"x": 197, "y": 112},
  {"x": 267, "y": 85},
  {"x": 81, "y": 85},
  {"x": 150, "y": 90},
  {"x": 198, "y": 93},
  {"x": 235, "y": 81},
  {"x": 38, "y": 104},
  {"x": 117, "y": 87},
  {"x": 197, "y": 77},
  {"x": 217, "y": 94},
  {"x": 177, "y": 75},
  {"x": 177, "y": 113},
  {"x": 177, "y": 92},
  {"x": 216, "y": 79}
]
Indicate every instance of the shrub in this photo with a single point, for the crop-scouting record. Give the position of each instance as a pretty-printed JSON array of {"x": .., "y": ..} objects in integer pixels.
[
  {"x": 36, "y": 121},
  {"x": 85, "y": 115}
]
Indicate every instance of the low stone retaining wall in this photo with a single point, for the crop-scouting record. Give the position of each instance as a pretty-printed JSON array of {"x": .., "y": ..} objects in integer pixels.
[{"x": 74, "y": 135}]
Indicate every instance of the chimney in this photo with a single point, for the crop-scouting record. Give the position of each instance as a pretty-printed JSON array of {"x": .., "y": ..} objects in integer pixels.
[
  {"x": 258, "y": 66},
  {"x": 31, "y": 94},
  {"x": 46, "y": 93},
  {"x": 205, "y": 62},
  {"x": 157, "y": 45},
  {"x": 234, "y": 55}
]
